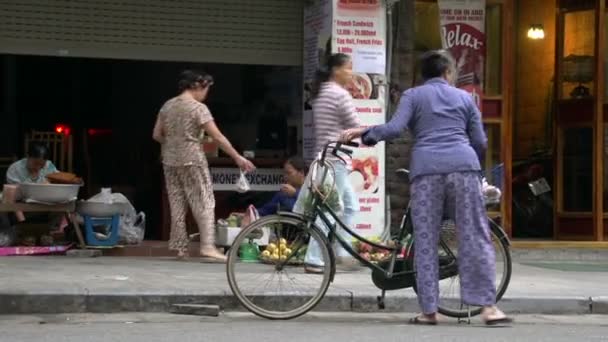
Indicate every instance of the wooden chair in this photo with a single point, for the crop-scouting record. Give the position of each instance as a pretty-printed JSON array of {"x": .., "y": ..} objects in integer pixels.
[{"x": 60, "y": 147}]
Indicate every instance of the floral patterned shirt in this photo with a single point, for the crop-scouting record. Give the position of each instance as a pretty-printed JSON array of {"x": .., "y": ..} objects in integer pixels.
[
  {"x": 18, "y": 173},
  {"x": 182, "y": 120}
]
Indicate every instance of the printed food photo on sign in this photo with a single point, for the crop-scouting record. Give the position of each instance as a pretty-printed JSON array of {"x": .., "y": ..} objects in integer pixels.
[
  {"x": 364, "y": 176},
  {"x": 361, "y": 87}
]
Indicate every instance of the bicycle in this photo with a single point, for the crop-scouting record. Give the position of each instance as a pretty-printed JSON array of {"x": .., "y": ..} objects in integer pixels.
[{"x": 304, "y": 291}]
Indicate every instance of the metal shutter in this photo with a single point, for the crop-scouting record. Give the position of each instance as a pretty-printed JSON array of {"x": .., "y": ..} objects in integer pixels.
[{"x": 223, "y": 31}]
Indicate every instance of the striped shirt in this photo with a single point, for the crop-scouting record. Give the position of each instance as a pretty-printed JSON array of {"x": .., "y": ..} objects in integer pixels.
[{"x": 333, "y": 113}]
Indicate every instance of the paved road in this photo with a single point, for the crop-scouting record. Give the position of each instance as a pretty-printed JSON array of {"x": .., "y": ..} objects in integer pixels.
[{"x": 318, "y": 327}]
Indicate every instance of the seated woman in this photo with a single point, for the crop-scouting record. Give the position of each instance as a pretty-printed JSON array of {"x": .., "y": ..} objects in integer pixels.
[
  {"x": 32, "y": 169},
  {"x": 295, "y": 172}
]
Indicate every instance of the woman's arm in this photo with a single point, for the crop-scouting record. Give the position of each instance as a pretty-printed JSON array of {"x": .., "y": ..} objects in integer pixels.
[
  {"x": 158, "y": 133},
  {"x": 13, "y": 175},
  {"x": 391, "y": 129},
  {"x": 211, "y": 128},
  {"x": 347, "y": 108}
]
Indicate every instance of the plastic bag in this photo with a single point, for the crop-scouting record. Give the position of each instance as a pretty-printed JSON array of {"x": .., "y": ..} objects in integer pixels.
[
  {"x": 132, "y": 229},
  {"x": 8, "y": 234},
  {"x": 491, "y": 194},
  {"x": 104, "y": 196},
  {"x": 262, "y": 235},
  {"x": 321, "y": 177},
  {"x": 242, "y": 185},
  {"x": 132, "y": 224},
  {"x": 251, "y": 215}
]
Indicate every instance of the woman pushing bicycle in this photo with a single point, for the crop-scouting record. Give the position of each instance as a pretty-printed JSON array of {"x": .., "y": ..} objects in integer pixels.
[{"x": 445, "y": 181}]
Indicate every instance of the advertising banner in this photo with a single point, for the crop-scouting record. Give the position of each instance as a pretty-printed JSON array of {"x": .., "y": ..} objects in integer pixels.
[
  {"x": 356, "y": 28},
  {"x": 463, "y": 35}
]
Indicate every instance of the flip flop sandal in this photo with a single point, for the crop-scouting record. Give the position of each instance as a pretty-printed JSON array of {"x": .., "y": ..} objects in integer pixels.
[
  {"x": 421, "y": 321},
  {"x": 206, "y": 259},
  {"x": 313, "y": 269},
  {"x": 498, "y": 322}
]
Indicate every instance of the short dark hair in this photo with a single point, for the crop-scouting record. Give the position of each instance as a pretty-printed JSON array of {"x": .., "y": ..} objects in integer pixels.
[
  {"x": 190, "y": 79},
  {"x": 435, "y": 64},
  {"x": 298, "y": 163},
  {"x": 38, "y": 151}
]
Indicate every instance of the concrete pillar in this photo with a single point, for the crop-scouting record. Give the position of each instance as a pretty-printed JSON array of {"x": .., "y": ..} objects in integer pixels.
[{"x": 402, "y": 76}]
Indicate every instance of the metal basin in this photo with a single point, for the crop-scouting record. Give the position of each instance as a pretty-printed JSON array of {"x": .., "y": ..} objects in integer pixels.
[
  {"x": 96, "y": 209},
  {"x": 49, "y": 193}
]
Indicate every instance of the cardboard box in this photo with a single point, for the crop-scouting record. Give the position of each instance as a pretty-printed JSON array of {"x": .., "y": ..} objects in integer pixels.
[{"x": 226, "y": 235}]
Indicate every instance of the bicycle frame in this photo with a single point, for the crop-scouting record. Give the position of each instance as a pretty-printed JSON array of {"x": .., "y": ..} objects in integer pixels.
[{"x": 321, "y": 210}]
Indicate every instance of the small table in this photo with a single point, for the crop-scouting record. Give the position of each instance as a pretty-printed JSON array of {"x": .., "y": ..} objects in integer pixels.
[{"x": 67, "y": 208}]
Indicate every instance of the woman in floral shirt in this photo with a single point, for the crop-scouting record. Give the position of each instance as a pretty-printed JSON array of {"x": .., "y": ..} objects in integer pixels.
[{"x": 180, "y": 126}]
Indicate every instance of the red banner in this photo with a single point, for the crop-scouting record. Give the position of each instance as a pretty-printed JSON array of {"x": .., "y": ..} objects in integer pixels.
[{"x": 463, "y": 35}]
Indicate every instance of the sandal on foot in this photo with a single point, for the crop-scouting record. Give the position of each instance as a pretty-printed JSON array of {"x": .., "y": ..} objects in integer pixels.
[
  {"x": 182, "y": 256},
  {"x": 497, "y": 317},
  {"x": 498, "y": 321},
  {"x": 213, "y": 257},
  {"x": 420, "y": 320},
  {"x": 313, "y": 269}
]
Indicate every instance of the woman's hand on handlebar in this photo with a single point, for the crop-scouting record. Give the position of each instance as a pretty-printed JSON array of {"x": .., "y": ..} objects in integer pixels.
[{"x": 351, "y": 134}]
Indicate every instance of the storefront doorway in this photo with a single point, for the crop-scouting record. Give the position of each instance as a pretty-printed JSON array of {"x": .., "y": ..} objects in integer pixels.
[
  {"x": 105, "y": 68},
  {"x": 559, "y": 125}
]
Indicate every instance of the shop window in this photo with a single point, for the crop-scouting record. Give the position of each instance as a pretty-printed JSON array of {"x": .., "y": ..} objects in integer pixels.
[
  {"x": 577, "y": 168},
  {"x": 578, "y": 55},
  {"x": 492, "y": 163}
]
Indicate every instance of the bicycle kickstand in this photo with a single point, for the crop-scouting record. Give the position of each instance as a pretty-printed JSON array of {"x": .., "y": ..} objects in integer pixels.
[
  {"x": 380, "y": 300},
  {"x": 468, "y": 320}
]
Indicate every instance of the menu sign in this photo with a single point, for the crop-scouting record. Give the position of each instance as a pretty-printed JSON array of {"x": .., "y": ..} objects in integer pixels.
[
  {"x": 359, "y": 30},
  {"x": 463, "y": 34},
  {"x": 356, "y": 28}
]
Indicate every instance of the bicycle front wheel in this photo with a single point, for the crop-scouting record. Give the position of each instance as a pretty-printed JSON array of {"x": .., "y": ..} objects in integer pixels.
[
  {"x": 278, "y": 286},
  {"x": 450, "y": 302}
]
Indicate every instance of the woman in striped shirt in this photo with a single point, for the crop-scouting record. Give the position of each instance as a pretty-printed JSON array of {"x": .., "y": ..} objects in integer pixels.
[{"x": 334, "y": 112}]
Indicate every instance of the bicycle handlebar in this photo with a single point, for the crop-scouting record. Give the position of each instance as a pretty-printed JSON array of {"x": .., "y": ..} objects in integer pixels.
[{"x": 337, "y": 147}]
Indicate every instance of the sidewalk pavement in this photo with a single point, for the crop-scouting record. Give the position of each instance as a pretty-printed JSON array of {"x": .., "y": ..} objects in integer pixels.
[{"x": 61, "y": 284}]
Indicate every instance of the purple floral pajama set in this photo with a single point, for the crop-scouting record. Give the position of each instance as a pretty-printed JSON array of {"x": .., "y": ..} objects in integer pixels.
[{"x": 445, "y": 182}]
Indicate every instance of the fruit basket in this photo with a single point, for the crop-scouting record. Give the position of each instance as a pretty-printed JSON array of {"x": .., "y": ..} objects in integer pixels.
[
  {"x": 279, "y": 251},
  {"x": 373, "y": 254}
]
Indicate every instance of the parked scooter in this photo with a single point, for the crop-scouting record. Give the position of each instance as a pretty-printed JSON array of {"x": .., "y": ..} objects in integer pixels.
[{"x": 532, "y": 199}]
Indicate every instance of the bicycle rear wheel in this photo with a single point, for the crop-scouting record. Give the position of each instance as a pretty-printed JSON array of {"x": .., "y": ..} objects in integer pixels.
[
  {"x": 450, "y": 302},
  {"x": 279, "y": 288}
]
